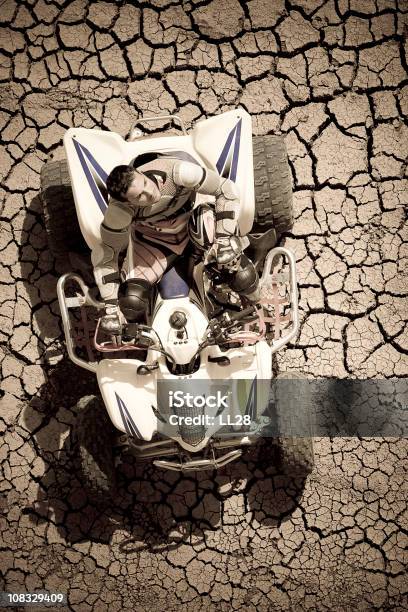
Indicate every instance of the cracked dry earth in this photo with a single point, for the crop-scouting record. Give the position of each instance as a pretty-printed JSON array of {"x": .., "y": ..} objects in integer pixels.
[{"x": 332, "y": 77}]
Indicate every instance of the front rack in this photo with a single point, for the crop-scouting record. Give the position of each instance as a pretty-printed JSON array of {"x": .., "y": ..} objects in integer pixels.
[{"x": 181, "y": 461}]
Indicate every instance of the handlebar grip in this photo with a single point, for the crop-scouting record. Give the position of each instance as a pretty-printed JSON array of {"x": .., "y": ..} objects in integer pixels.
[{"x": 242, "y": 314}]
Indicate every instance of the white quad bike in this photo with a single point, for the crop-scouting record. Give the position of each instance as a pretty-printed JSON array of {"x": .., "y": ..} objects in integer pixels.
[{"x": 212, "y": 347}]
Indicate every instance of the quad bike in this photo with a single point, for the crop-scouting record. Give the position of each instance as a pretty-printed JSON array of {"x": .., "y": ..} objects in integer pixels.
[{"x": 199, "y": 339}]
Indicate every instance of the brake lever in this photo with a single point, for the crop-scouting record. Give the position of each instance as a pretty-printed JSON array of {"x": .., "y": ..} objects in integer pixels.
[{"x": 219, "y": 327}]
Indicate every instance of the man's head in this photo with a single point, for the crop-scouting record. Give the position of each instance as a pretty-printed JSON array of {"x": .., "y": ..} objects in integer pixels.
[{"x": 127, "y": 184}]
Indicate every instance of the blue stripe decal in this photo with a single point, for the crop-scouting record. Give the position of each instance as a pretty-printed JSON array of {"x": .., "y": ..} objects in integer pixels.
[
  {"x": 95, "y": 164},
  {"x": 225, "y": 151},
  {"x": 233, "y": 175},
  {"x": 228, "y": 161},
  {"x": 128, "y": 422},
  {"x": 93, "y": 181}
]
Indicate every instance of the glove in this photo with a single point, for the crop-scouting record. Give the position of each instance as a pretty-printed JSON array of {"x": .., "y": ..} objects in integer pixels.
[
  {"x": 111, "y": 322},
  {"x": 226, "y": 253}
]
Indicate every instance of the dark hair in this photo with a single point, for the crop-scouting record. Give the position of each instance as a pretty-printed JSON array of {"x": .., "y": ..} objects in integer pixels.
[{"x": 119, "y": 181}]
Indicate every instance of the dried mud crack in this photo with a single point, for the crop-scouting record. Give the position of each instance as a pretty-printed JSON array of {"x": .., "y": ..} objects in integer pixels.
[{"x": 331, "y": 76}]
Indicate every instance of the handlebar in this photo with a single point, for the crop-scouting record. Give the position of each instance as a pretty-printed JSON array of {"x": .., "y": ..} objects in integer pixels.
[
  {"x": 242, "y": 314},
  {"x": 140, "y": 336}
]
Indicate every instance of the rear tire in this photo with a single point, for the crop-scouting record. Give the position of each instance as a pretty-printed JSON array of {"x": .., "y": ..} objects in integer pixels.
[
  {"x": 61, "y": 221},
  {"x": 273, "y": 186},
  {"x": 93, "y": 436}
]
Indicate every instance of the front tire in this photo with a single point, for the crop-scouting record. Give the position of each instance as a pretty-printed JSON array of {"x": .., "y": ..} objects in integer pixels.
[
  {"x": 296, "y": 456},
  {"x": 93, "y": 436}
]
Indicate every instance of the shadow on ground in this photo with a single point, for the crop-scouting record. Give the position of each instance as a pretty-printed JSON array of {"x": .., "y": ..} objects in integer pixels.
[{"x": 154, "y": 509}]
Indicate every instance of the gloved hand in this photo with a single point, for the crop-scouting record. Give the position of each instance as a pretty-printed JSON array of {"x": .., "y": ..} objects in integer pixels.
[
  {"x": 112, "y": 320},
  {"x": 226, "y": 253}
]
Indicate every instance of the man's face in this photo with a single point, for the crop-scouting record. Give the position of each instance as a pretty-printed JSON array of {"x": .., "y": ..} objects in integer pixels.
[{"x": 142, "y": 191}]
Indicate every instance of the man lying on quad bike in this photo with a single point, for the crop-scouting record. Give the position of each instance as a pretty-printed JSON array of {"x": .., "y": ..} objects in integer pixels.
[
  {"x": 153, "y": 202},
  {"x": 206, "y": 329}
]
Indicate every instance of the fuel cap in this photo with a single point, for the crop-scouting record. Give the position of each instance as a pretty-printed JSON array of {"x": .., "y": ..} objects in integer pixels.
[{"x": 178, "y": 319}]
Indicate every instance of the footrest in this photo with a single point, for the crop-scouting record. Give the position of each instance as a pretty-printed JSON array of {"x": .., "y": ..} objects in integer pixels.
[
  {"x": 77, "y": 333},
  {"x": 279, "y": 297}
]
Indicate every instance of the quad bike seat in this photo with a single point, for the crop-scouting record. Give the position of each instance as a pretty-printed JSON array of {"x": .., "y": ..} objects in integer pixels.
[{"x": 173, "y": 284}]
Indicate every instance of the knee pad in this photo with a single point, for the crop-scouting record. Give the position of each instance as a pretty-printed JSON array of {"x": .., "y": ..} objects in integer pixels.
[
  {"x": 136, "y": 299},
  {"x": 201, "y": 226},
  {"x": 246, "y": 281}
]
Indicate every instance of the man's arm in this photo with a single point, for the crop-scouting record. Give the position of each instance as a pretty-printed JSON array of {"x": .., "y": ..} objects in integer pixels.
[
  {"x": 208, "y": 182},
  {"x": 114, "y": 238},
  {"x": 226, "y": 250}
]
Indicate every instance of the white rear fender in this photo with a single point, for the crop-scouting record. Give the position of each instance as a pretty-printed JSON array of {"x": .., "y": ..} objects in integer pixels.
[
  {"x": 223, "y": 143},
  {"x": 92, "y": 155}
]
